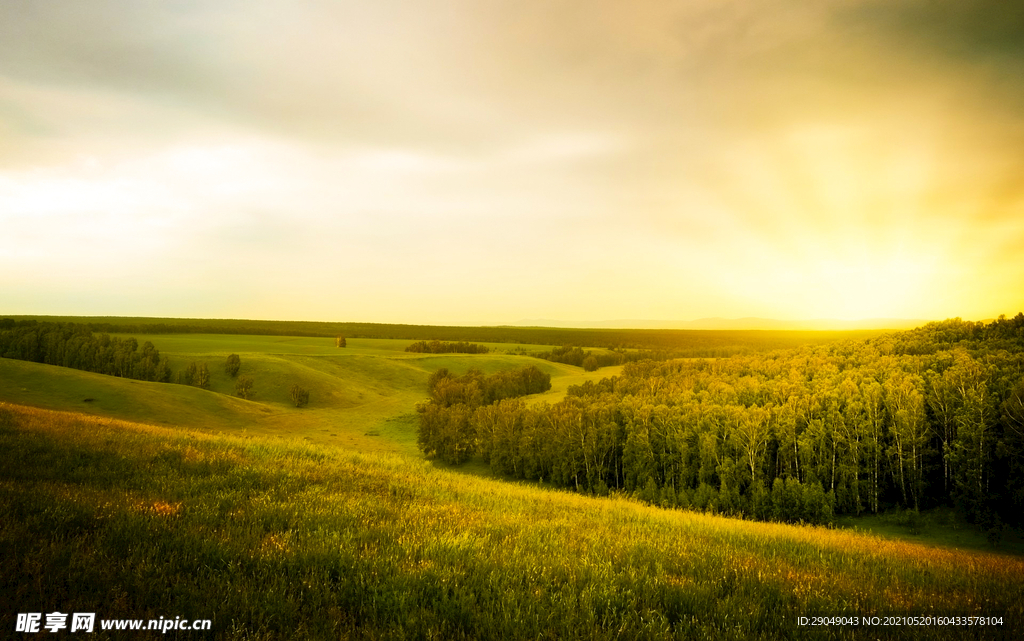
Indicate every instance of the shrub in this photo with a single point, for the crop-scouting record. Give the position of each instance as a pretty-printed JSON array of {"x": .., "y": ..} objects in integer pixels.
[
  {"x": 300, "y": 397},
  {"x": 705, "y": 498},
  {"x": 650, "y": 493},
  {"x": 243, "y": 387},
  {"x": 231, "y": 367},
  {"x": 668, "y": 496}
]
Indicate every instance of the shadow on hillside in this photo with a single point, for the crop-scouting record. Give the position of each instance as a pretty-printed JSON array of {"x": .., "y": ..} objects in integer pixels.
[{"x": 941, "y": 527}]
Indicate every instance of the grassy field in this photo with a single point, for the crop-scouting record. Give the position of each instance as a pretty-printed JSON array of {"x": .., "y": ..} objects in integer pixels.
[
  {"x": 323, "y": 522},
  {"x": 362, "y": 396},
  {"x": 276, "y": 540}
]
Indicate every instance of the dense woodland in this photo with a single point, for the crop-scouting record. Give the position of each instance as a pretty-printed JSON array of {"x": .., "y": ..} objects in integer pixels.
[
  {"x": 445, "y": 421},
  {"x": 446, "y": 347},
  {"x": 913, "y": 420},
  {"x": 75, "y": 346}
]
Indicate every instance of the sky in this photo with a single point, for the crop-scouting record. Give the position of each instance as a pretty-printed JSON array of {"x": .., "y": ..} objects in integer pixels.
[{"x": 483, "y": 161}]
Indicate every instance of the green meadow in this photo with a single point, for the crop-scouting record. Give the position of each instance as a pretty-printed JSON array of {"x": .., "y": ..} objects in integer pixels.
[
  {"x": 361, "y": 396},
  {"x": 139, "y": 500}
]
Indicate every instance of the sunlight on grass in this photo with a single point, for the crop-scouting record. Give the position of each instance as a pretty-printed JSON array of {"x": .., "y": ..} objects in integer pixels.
[{"x": 309, "y": 541}]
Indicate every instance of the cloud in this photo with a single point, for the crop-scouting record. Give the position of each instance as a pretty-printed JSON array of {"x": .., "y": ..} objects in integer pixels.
[{"x": 585, "y": 159}]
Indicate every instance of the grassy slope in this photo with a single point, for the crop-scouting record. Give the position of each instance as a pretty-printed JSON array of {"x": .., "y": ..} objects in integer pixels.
[
  {"x": 362, "y": 399},
  {"x": 362, "y": 396},
  {"x": 282, "y": 540}
]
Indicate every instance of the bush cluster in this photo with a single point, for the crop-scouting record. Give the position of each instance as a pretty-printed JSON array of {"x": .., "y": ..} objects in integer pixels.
[{"x": 446, "y": 347}]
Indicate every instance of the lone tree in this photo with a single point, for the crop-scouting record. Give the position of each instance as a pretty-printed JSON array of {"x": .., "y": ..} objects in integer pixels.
[
  {"x": 231, "y": 367},
  {"x": 243, "y": 387},
  {"x": 203, "y": 377},
  {"x": 299, "y": 396},
  {"x": 339, "y": 341}
]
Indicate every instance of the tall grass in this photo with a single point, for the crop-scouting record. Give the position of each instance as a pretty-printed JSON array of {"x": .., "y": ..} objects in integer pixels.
[{"x": 272, "y": 539}]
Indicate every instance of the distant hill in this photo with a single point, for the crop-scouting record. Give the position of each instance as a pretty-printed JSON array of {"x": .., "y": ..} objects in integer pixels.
[{"x": 732, "y": 323}]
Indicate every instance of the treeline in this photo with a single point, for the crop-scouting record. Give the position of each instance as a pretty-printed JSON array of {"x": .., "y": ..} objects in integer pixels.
[
  {"x": 1002, "y": 333},
  {"x": 445, "y": 420},
  {"x": 591, "y": 361},
  {"x": 75, "y": 346},
  {"x": 683, "y": 343},
  {"x": 912, "y": 420},
  {"x": 447, "y": 347}
]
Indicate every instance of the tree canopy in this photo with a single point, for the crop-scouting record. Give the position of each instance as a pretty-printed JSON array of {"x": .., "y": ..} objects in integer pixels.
[{"x": 915, "y": 419}]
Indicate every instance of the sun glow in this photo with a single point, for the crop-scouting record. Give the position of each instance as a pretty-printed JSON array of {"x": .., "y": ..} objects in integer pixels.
[
  {"x": 830, "y": 221},
  {"x": 851, "y": 291}
]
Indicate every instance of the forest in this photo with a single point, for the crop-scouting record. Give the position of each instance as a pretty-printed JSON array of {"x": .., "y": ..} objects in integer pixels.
[
  {"x": 910, "y": 420},
  {"x": 75, "y": 346}
]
